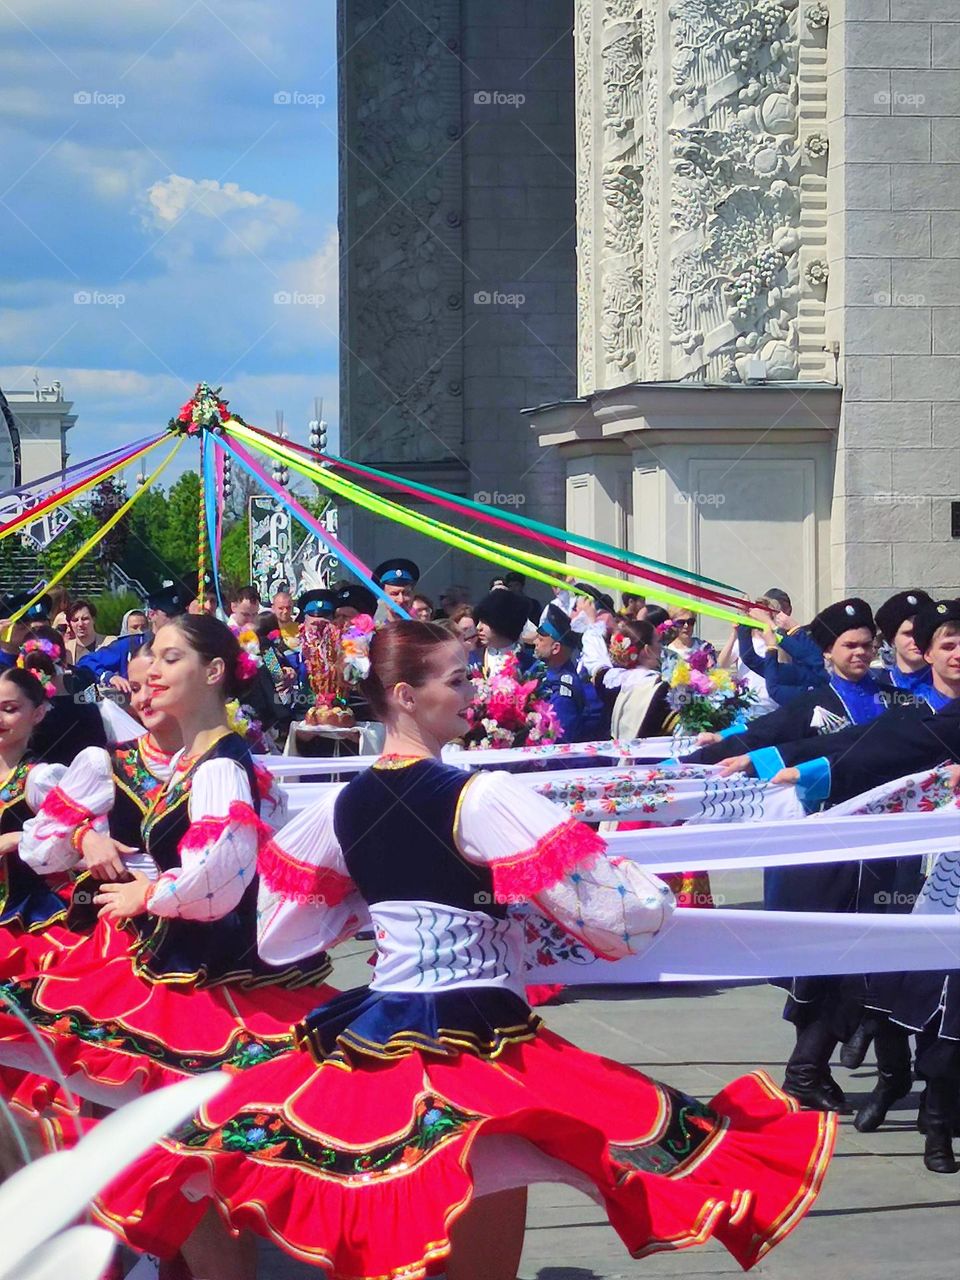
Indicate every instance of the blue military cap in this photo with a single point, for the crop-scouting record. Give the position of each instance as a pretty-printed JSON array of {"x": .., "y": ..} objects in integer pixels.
[
  {"x": 36, "y": 613},
  {"x": 556, "y": 624},
  {"x": 320, "y": 603},
  {"x": 396, "y": 572}
]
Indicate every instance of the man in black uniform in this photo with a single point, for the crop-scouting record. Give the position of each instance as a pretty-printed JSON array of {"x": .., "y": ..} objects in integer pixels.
[{"x": 853, "y": 695}]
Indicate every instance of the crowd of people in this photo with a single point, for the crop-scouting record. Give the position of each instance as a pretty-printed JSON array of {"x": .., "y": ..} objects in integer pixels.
[{"x": 161, "y": 917}]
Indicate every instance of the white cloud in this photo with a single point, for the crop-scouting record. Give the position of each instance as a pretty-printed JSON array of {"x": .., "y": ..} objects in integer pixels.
[
  {"x": 115, "y": 174},
  {"x": 209, "y": 216}
]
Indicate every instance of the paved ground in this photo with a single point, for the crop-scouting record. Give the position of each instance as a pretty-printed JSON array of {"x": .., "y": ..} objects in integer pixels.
[{"x": 880, "y": 1214}]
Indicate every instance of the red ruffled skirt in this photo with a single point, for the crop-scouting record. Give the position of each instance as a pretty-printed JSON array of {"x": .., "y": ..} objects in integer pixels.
[
  {"x": 108, "y": 1025},
  {"x": 24, "y": 954},
  {"x": 363, "y": 1170}
]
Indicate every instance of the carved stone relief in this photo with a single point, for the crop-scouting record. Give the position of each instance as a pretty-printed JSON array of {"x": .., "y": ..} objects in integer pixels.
[{"x": 733, "y": 280}]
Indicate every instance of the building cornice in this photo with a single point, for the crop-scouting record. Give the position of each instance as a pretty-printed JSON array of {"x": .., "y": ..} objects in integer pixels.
[{"x": 683, "y": 412}]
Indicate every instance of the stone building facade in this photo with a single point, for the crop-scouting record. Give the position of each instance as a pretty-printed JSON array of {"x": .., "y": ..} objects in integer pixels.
[
  {"x": 458, "y": 273},
  {"x": 33, "y": 439},
  {"x": 769, "y": 245},
  {"x": 735, "y": 225}
]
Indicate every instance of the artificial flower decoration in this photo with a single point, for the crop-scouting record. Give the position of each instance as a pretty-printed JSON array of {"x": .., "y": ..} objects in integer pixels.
[
  {"x": 247, "y": 666},
  {"x": 204, "y": 411},
  {"x": 624, "y": 650},
  {"x": 39, "y": 644},
  {"x": 355, "y": 648}
]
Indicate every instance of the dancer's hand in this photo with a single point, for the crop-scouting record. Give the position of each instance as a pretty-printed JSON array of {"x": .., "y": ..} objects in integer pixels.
[
  {"x": 118, "y": 682},
  {"x": 953, "y": 776},
  {"x": 708, "y": 739},
  {"x": 121, "y": 901},
  {"x": 736, "y": 764},
  {"x": 9, "y": 843},
  {"x": 102, "y": 856},
  {"x": 786, "y": 777}
]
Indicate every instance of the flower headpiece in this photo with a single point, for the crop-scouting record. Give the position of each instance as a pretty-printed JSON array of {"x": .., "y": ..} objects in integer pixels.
[
  {"x": 40, "y": 644},
  {"x": 47, "y": 685},
  {"x": 624, "y": 650},
  {"x": 665, "y": 628}
]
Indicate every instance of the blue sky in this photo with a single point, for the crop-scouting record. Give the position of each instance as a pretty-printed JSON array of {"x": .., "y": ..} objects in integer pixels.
[{"x": 179, "y": 155}]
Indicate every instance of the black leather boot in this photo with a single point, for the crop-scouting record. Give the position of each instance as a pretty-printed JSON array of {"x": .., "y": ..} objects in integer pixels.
[
  {"x": 807, "y": 1077},
  {"x": 894, "y": 1077},
  {"x": 815, "y": 1089},
  {"x": 855, "y": 1050},
  {"x": 938, "y": 1151}
]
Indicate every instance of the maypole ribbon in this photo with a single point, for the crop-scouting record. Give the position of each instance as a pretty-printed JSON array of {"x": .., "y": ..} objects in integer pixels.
[
  {"x": 287, "y": 500},
  {"x": 55, "y": 478},
  {"x": 422, "y": 524},
  {"x": 550, "y": 535},
  {"x": 92, "y": 541},
  {"x": 202, "y": 519},
  {"x": 211, "y": 499},
  {"x": 553, "y": 573},
  {"x": 687, "y": 591},
  {"x": 57, "y": 499}
]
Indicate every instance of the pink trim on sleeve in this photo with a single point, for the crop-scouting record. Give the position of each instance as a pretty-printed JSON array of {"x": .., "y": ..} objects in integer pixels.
[
  {"x": 557, "y": 852},
  {"x": 206, "y": 831},
  {"x": 291, "y": 878},
  {"x": 64, "y": 810}
]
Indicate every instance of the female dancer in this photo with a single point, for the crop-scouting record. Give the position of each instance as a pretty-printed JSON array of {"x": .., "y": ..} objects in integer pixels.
[
  {"x": 398, "y": 1139},
  {"x": 91, "y": 819},
  {"x": 169, "y": 983},
  {"x": 32, "y": 914}
]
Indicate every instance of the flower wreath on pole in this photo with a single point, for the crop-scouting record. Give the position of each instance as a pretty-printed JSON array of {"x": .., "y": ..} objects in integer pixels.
[{"x": 206, "y": 410}]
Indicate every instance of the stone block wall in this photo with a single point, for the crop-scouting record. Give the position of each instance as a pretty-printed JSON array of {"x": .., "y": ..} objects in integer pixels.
[
  {"x": 458, "y": 231},
  {"x": 894, "y": 297}
]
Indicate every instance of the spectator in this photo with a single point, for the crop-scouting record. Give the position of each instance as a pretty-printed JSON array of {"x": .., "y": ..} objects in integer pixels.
[
  {"x": 421, "y": 609},
  {"x": 633, "y": 606},
  {"x": 82, "y": 637},
  {"x": 451, "y": 599},
  {"x": 685, "y": 642},
  {"x": 211, "y": 604},
  {"x": 134, "y": 623},
  {"x": 398, "y": 578},
  {"x": 501, "y": 617},
  {"x": 464, "y": 625},
  {"x": 289, "y": 628},
  {"x": 577, "y": 705},
  {"x": 353, "y": 599},
  {"x": 244, "y": 608},
  {"x": 517, "y": 583}
]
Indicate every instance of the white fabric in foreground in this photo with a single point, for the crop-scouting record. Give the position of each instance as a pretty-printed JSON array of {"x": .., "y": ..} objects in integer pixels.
[
  {"x": 793, "y": 842},
  {"x": 725, "y": 945}
]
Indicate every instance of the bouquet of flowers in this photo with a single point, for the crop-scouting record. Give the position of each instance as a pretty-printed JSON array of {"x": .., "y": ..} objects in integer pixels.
[
  {"x": 509, "y": 710},
  {"x": 706, "y": 698},
  {"x": 355, "y": 648}
]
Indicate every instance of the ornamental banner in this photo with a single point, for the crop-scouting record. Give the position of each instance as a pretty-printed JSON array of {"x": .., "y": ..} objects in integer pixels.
[{"x": 271, "y": 546}]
